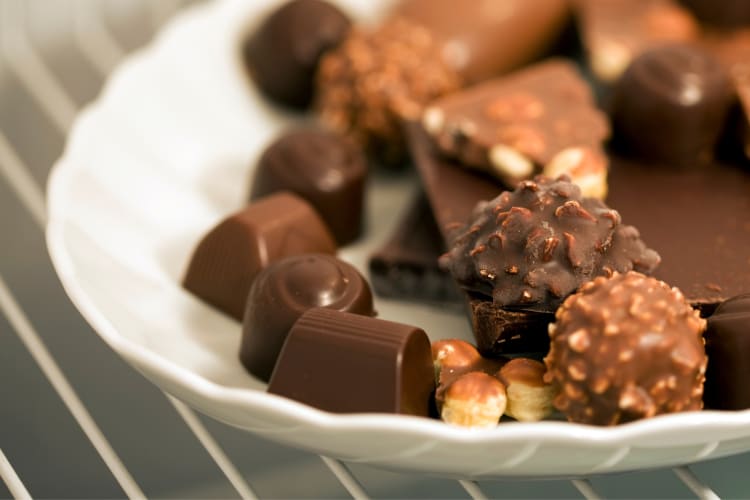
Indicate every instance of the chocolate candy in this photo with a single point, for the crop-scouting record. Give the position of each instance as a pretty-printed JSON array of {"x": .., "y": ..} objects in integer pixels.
[
  {"x": 378, "y": 78},
  {"x": 671, "y": 105},
  {"x": 282, "y": 54},
  {"x": 283, "y": 291},
  {"x": 406, "y": 267},
  {"x": 720, "y": 13},
  {"x": 615, "y": 32},
  {"x": 484, "y": 38},
  {"x": 625, "y": 348},
  {"x": 228, "y": 258},
  {"x": 347, "y": 363},
  {"x": 323, "y": 168},
  {"x": 728, "y": 350},
  {"x": 532, "y": 247},
  {"x": 514, "y": 125}
]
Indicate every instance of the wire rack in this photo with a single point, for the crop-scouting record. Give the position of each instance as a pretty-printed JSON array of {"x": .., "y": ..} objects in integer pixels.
[{"x": 76, "y": 421}]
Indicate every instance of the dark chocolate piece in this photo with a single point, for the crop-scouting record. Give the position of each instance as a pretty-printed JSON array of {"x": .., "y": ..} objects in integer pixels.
[
  {"x": 514, "y": 125},
  {"x": 720, "y": 13},
  {"x": 283, "y": 291},
  {"x": 695, "y": 219},
  {"x": 376, "y": 79},
  {"x": 671, "y": 105},
  {"x": 227, "y": 260},
  {"x": 484, "y": 38},
  {"x": 728, "y": 349},
  {"x": 625, "y": 348},
  {"x": 323, "y": 168},
  {"x": 347, "y": 363},
  {"x": 282, "y": 53},
  {"x": 406, "y": 267},
  {"x": 615, "y": 32},
  {"x": 532, "y": 247}
]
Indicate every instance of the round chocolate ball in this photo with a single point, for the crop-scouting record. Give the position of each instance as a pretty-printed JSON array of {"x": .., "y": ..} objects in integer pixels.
[
  {"x": 671, "y": 105},
  {"x": 720, "y": 13},
  {"x": 282, "y": 54},
  {"x": 284, "y": 291},
  {"x": 625, "y": 348},
  {"x": 322, "y": 167}
]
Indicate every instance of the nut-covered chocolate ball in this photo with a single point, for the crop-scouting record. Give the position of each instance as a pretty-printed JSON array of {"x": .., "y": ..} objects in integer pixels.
[
  {"x": 284, "y": 291},
  {"x": 322, "y": 167},
  {"x": 671, "y": 105},
  {"x": 532, "y": 247},
  {"x": 625, "y": 348},
  {"x": 376, "y": 79},
  {"x": 282, "y": 54}
]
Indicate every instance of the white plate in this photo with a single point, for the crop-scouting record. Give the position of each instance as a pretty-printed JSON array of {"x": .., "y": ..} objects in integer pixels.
[{"x": 164, "y": 154}]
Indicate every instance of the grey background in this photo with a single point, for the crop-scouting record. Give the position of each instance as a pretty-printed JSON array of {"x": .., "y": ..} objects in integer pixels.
[{"x": 39, "y": 436}]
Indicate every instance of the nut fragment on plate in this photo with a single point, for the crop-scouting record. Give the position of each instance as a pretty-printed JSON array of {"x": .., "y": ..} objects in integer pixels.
[
  {"x": 529, "y": 396},
  {"x": 625, "y": 348},
  {"x": 453, "y": 358},
  {"x": 513, "y": 126},
  {"x": 474, "y": 400}
]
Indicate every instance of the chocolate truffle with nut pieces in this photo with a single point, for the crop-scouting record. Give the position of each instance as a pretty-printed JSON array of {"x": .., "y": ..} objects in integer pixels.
[{"x": 625, "y": 348}]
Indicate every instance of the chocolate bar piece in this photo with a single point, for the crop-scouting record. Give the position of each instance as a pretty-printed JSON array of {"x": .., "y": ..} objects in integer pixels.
[
  {"x": 406, "y": 267},
  {"x": 728, "y": 350},
  {"x": 283, "y": 291},
  {"x": 614, "y": 32},
  {"x": 484, "y": 38},
  {"x": 513, "y": 126},
  {"x": 346, "y": 363},
  {"x": 227, "y": 260},
  {"x": 323, "y": 168}
]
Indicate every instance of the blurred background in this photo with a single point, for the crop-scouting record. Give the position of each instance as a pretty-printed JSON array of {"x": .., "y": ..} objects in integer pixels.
[{"x": 75, "y": 420}]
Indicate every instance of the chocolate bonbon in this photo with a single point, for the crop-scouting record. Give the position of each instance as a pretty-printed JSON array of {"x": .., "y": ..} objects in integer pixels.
[
  {"x": 347, "y": 363},
  {"x": 625, "y": 348},
  {"x": 378, "y": 77},
  {"x": 729, "y": 14},
  {"x": 671, "y": 105},
  {"x": 480, "y": 39},
  {"x": 323, "y": 168},
  {"x": 283, "y": 291},
  {"x": 514, "y": 125},
  {"x": 614, "y": 32},
  {"x": 228, "y": 258},
  {"x": 282, "y": 53},
  {"x": 532, "y": 247},
  {"x": 728, "y": 350}
]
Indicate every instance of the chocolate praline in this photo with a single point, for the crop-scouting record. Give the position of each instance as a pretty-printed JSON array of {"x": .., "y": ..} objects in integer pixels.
[
  {"x": 284, "y": 291},
  {"x": 282, "y": 54},
  {"x": 322, "y": 167}
]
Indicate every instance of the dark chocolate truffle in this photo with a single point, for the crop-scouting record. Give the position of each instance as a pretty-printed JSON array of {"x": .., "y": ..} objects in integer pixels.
[
  {"x": 347, "y": 363},
  {"x": 323, "y": 168},
  {"x": 228, "y": 258},
  {"x": 282, "y": 54},
  {"x": 532, "y": 247},
  {"x": 671, "y": 105},
  {"x": 720, "y": 13},
  {"x": 625, "y": 348},
  {"x": 284, "y": 291},
  {"x": 376, "y": 79},
  {"x": 728, "y": 350}
]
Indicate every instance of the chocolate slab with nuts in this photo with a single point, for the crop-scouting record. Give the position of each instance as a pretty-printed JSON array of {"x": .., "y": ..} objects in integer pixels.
[
  {"x": 614, "y": 32},
  {"x": 481, "y": 39},
  {"x": 513, "y": 126}
]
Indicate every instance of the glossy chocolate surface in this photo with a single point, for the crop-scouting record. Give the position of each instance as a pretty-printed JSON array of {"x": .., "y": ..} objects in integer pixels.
[
  {"x": 323, "y": 168},
  {"x": 728, "y": 349},
  {"x": 347, "y": 363},
  {"x": 227, "y": 260},
  {"x": 283, "y": 291},
  {"x": 671, "y": 105},
  {"x": 282, "y": 53}
]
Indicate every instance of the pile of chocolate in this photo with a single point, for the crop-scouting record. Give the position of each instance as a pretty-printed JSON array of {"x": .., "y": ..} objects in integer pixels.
[{"x": 595, "y": 227}]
